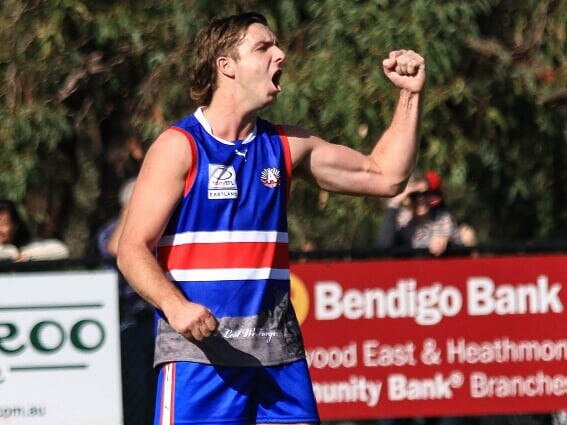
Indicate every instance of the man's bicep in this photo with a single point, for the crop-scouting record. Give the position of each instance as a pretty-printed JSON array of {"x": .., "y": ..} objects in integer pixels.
[
  {"x": 159, "y": 187},
  {"x": 337, "y": 168},
  {"x": 334, "y": 167},
  {"x": 148, "y": 215},
  {"x": 311, "y": 154}
]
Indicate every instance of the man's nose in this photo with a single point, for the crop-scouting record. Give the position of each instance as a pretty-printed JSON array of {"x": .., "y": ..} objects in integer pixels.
[{"x": 280, "y": 55}]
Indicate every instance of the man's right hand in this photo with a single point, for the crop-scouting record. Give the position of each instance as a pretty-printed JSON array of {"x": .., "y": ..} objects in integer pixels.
[{"x": 193, "y": 321}]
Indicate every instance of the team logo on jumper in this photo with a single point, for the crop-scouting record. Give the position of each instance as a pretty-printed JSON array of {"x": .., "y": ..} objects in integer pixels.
[
  {"x": 270, "y": 177},
  {"x": 222, "y": 182}
]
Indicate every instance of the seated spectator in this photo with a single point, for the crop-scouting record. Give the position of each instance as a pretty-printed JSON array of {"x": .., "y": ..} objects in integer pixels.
[
  {"x": 136, "y": 328},
  {"x": 417, "y": 218},
  {"x": 109, "y": 234},
  {"x": 16, "y": 243},
  {"x": 132, "y": 306}
]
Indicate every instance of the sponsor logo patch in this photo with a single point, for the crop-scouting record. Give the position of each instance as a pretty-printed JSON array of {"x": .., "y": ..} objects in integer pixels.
[
  {"x": 222, "y": 182},
  {"x": 270, "y": 177}
]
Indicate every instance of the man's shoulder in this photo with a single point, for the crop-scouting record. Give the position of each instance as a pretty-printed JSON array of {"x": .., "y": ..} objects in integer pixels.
[{"x": 186, "y": 128}]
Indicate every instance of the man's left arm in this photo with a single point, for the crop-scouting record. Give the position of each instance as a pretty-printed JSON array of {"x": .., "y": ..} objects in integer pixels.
[{"x": 384, "y": 172}]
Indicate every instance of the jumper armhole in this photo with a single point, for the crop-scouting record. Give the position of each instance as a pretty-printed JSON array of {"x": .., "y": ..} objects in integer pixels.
[
  {"x": 192, "y": 173},
  {"x": 287, "y": 156}
]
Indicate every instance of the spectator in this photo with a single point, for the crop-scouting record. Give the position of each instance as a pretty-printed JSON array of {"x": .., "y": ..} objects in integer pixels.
[
  {"x": 16, "y": 243},
  {"x": 559, "y": 418},
  {"x": 136, "y": 328},
  {"x": 417, "y": 218},
  {"x": 467, "y": 234},
  {"x": 132, "y": 306}
]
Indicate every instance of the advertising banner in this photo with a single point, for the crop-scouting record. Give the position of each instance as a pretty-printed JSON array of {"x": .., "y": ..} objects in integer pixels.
[
  {"x": 59, "y": 349},
  {"x": 435, "y": 337}
]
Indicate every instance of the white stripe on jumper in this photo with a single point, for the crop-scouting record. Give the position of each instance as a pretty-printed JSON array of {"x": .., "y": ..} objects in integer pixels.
[
  {"x": 223, "y": 236},
  {"x": 166, "y": 413},
  {"x": 211, "y": 275}
]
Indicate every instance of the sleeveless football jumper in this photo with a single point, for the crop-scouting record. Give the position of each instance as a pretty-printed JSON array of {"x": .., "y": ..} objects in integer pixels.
[{"x": 226, "y": 247}]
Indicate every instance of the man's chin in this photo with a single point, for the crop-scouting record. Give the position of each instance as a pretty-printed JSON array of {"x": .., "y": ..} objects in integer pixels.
[{"x": 270, "y": 100}]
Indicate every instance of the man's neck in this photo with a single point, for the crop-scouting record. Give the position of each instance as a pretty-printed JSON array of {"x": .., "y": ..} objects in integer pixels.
[{"x": 228, "y": 122}]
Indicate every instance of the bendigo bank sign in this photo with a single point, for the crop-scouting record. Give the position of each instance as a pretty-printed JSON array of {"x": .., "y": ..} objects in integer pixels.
[{"x": 435, "y": 337}]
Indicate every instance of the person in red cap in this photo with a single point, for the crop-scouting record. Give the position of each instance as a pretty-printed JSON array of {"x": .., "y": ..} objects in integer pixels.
[
  {"x": 418, "y": 218},
  {"x": 434, "y": 185},
  {"x": 467, "y": 234}
]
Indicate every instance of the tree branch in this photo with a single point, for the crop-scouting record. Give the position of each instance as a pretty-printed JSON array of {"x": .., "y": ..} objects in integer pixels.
[
  {"x": 93, "y": 65},
  {"x": 557, "y": 97}
]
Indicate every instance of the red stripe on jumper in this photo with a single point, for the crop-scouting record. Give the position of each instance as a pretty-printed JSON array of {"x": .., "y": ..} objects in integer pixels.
[
  {"x": 192, "y": 173},
  {"x": 287, "y": 156},
  {"x": 224, "y": 255}
]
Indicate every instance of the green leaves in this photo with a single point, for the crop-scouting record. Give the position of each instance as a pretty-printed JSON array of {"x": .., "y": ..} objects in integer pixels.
[{"x": 80, "y": 80}]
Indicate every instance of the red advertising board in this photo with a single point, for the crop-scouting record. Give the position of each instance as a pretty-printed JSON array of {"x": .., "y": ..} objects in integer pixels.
[{"x": 435, "y": 337}]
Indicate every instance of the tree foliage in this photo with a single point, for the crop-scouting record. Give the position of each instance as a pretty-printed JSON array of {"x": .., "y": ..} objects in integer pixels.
[{"x": 88, "y": 85}]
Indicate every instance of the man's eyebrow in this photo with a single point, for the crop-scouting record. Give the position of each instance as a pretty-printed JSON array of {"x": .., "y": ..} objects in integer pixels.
[{"x": 264, "y": 43}]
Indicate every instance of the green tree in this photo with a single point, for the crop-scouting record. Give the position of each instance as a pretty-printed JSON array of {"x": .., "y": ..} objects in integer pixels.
[
  {"x": 494, "y": 124},
  {"x": 88, "y": 85}
]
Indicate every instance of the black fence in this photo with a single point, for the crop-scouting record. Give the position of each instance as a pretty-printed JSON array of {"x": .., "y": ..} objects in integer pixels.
[{"x": 136, "y": 331}]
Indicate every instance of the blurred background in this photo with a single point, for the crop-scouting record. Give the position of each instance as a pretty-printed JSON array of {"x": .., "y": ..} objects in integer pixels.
[{"x": 87, "y": 85}]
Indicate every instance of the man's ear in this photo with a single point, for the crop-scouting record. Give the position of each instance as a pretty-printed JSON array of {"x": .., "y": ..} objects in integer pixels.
[{"x": 225, "y": 66}]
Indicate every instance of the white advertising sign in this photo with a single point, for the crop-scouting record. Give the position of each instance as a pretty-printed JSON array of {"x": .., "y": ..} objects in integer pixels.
[{"x": 59, "y": 349}]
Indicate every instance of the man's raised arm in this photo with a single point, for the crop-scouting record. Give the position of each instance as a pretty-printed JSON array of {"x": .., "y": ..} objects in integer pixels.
[{"x": 384, "y": 172}]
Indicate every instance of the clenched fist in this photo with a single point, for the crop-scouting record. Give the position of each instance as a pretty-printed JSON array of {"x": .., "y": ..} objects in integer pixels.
[
  {"x": 193, "y": 321},
  {"x": 406, "y": 69}
]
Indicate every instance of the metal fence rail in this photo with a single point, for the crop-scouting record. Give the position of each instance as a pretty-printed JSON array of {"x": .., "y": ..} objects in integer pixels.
[{"x": 136, "y": 333}]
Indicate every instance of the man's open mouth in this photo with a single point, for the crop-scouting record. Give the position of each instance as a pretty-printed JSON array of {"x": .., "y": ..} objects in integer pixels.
[{"x": 276, "y": 79}]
